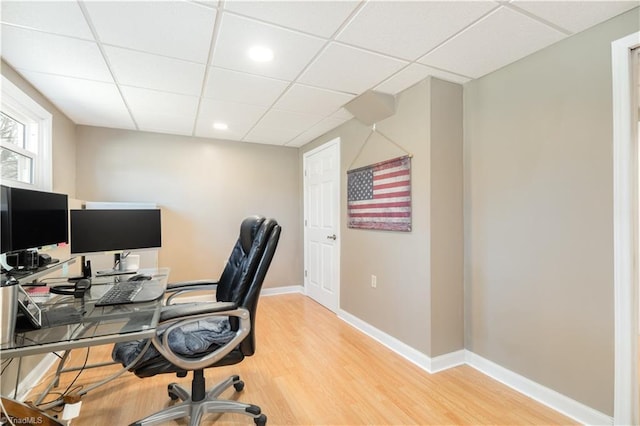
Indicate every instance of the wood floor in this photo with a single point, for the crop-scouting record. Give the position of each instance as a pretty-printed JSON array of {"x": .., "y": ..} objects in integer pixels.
[{"x": 311, "y": 368}]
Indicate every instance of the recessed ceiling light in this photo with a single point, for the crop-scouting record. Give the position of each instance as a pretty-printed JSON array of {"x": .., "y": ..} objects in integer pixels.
[
  {"x": 220, "y": 126},
  {"x": 261, "y": 54}
]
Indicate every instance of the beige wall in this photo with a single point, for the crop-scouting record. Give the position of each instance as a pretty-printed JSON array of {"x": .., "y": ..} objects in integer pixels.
[
  {"x": 205, "y": 188},
  {"x": 447, "y": 222},
  {"x": 401, "y": 305},
  {"x": 538, "y": 213}
]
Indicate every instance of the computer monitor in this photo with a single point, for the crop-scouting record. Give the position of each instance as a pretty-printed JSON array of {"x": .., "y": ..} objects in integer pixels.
[
  {"x": 32, "y": 219},
  {"x": 99, "y": 231}
]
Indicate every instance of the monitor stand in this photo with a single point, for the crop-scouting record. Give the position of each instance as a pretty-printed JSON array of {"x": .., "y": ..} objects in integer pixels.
[
  {"x": 111, "y": 272},
  {"x": 86, "y": 270},
  {"x": 118, "y": 263}
]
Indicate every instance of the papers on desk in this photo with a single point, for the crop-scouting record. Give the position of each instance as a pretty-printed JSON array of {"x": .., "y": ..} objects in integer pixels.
[{"x": 39, "y": 294}]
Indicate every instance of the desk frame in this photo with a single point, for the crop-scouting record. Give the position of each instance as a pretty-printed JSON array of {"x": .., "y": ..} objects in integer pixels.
[{"x": 75, "y": 342}]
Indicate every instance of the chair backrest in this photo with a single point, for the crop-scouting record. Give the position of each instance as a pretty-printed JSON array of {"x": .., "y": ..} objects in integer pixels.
[{"x": 242, "y": 278}]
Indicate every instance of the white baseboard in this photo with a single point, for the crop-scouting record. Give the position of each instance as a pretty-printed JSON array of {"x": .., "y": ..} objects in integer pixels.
[
  {"x": 431, "y": 365},
  {"x": 555, "y": 400},
  {"x": 446, "y": 361},
  {"x": 274, "y": 291},
  {"x": 552, "y": 399},
  {"x": 35, "y": 376},
  {"x": 402, "y": 349}
]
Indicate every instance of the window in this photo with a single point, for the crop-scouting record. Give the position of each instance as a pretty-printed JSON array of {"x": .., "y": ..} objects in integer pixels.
[{"x": 25, "y": 140}]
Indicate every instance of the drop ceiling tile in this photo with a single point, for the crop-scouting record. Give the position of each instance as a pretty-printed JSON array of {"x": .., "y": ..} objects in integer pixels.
[
  {"x": 424, "y": 25},
  {"x": 144, "y": 70},
  {"x": 296, "y": 121},
  {"x": 62, "y": 18},
  {"x": 278, "y": 127},
  {"x": 413, "y": 74},
  {"x": 318, "y": 130},
  {"x": 270, "y": 136},
  {"x": 208, "y": 3},
  {"x": 499, "y": 39},
  {"x": 311, "y": 100},
  {"x": 53, "y": 54},
  {"x": 234, "y": 86},
  {"x": 336, "y": 67},
  {"x": 84, "y": 102},
  {"x": 292, "y": 50},
  {"x": 575, "y": 16},
  {"x": 161, "y": 111},
  {"x": 301, "y": 15},
  {"x": 239, "y": 117},
  {"x": 177, "y": 29}
]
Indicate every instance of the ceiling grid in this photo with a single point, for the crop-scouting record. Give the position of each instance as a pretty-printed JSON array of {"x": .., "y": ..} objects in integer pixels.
[{"x": 178, "y": 67}]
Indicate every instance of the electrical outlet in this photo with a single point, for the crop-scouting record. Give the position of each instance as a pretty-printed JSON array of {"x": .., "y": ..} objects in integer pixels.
[{"x": 374, "y": 281}]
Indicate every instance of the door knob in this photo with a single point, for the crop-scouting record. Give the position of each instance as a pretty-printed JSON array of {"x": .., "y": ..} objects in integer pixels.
[{"x": 332, "y": 237}]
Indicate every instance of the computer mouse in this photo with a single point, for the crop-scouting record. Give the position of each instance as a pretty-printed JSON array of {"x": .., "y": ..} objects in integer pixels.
[{"x": 139, "y": 277}]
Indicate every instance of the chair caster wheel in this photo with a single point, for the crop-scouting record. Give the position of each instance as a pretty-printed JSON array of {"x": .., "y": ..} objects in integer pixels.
[
  {"x": 261, "y": 420},
  {"x": 238, "y": 386}
]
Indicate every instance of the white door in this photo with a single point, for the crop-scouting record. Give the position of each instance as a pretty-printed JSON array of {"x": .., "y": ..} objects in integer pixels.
[
  {"x": 625, "y": 232},
  {"x": 321, "y": 168}
]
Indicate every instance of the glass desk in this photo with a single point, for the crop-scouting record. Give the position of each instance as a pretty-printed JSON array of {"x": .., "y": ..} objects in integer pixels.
[{"x": 88, "y": 325}]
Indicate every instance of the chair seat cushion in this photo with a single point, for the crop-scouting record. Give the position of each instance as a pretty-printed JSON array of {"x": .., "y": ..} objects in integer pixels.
[{"x": 191, "y": 340}]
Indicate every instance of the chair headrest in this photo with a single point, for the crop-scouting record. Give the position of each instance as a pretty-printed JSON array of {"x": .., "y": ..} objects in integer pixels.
[{"x": 248, "y": 230}]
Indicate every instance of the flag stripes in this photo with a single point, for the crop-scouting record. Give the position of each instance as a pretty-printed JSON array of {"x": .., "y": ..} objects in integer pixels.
[{"x": 379, "y": 196}]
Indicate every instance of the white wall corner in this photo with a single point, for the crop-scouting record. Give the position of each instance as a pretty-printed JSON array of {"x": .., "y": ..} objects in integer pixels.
[
  {"x": 446, "y": 361},
  {"x": 552, "y": 399}
]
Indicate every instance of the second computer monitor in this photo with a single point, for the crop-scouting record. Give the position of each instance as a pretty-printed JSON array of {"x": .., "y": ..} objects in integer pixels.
[{"x": 95, "y": 231}]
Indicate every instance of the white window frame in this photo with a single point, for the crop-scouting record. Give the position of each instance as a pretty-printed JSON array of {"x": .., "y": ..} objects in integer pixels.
[{"x": 38, "y": 138}]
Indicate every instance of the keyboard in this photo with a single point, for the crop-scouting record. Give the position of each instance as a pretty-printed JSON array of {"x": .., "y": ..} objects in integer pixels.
[{"x": 120, "y": 294}]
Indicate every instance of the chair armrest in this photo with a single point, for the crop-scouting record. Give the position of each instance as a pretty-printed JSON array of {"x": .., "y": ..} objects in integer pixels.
[
  {"x": 185, "y": 287},
  {"x": 175, "y": 316},
  {"x": 188, "y": 310}
]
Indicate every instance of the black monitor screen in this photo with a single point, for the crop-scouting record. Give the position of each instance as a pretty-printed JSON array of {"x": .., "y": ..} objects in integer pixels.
[
  {"x": 94, "y": 231},
  {"x": 4, "y": 220},
  {"x": 32, "y": 219}
]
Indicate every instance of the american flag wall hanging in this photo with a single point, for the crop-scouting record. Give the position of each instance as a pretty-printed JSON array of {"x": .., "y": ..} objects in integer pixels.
[{"x": 379, "y": 196}]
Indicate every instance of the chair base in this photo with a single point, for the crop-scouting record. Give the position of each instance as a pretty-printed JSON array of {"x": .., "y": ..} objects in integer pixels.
[{"x": 209, "y": 404}]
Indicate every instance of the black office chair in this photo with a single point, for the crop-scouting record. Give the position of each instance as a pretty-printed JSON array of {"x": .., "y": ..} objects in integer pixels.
[{"x": 195, "y": 336}]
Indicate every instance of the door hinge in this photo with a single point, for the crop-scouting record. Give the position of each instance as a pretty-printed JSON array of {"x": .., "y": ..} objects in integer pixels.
[{"x": 305, "y": 273}]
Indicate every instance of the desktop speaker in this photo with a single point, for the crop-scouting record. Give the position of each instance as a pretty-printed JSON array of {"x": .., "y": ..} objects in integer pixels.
[
  {"x": 43, "y": 259},
  {"x": 27, "y": 259}
]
